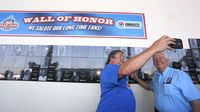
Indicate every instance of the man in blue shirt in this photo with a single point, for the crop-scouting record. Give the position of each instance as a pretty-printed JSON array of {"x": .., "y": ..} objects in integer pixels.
[
  {"x": 115, "y": 94},
  {"x": 173, "y": 89}
]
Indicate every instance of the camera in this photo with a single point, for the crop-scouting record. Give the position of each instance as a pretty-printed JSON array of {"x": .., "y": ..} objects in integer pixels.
[{"x": 178, "y": 44}]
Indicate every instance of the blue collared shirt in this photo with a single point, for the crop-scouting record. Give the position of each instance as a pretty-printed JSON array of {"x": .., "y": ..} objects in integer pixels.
[
  {"x": 115, "y": 94},
  {"x": 173, "y": 89}
]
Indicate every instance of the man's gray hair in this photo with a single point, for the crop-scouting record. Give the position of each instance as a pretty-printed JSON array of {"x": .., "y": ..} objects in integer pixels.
[{"x": 165, "y": 52}]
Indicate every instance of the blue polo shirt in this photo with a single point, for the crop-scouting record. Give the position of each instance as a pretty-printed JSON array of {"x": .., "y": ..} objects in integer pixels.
[
  {"x": 173, "y": 89},
  {"x": 115, "y": 94}
]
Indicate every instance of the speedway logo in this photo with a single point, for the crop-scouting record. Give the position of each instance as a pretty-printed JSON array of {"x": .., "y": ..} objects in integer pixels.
[
  {"x": 9, "y": 24},
  {"x": 129, "y": 24}
]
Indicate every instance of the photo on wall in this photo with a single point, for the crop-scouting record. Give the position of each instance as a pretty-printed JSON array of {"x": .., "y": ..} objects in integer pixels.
[{"x": 83, "y": 64}]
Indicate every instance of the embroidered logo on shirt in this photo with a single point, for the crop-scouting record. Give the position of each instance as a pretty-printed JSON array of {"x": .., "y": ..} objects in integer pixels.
[{"x": 168, "y": 81}]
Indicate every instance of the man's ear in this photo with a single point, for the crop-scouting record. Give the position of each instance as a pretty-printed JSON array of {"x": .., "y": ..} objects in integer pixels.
[
  {"x": 167, "y": 61},
  {"x": 111, "y": 61}
]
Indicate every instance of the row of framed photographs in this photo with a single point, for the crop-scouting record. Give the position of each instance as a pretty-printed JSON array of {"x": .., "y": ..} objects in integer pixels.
[{"x": 187, "y": 60}]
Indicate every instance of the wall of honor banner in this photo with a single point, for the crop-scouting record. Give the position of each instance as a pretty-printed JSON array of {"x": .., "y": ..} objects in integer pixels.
[
  {"x": 72, "y": 24},
  {"x": 62, "y": 63}
]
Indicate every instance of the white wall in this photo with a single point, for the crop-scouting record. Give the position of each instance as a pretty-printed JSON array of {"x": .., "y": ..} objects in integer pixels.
[
  {"x": 27, "y": 96},
  {"x": 176, "y": 18}
]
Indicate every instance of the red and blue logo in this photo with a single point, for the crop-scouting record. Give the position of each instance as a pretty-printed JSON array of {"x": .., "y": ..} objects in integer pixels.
[{"x": 9, "y": 24}]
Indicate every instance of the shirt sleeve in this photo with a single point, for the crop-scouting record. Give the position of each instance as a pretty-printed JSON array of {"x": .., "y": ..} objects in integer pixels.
[
  {"x": 151, "y": 86},
  {"x": 152, "y": 82},
  {"x": 189, "y": 90}
]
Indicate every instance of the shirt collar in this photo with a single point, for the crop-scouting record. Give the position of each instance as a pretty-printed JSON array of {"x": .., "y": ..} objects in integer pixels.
[{"x": 165, "y": 72}]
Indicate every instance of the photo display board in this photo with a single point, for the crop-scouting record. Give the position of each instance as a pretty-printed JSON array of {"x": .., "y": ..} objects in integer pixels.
[{"x": 83, "y": 64}]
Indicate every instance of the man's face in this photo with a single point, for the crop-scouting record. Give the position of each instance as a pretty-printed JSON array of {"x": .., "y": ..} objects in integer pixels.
[
  {"x": 160, "y": 61},
  {"x": 118, "y": 59}
]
